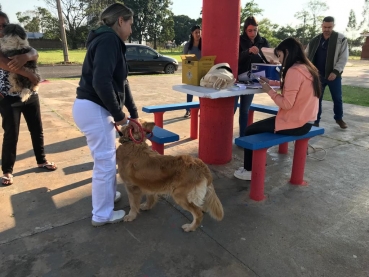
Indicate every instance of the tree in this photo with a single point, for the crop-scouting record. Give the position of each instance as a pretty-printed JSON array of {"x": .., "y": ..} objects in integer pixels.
[
  {"x": 266, "y": 30},
  {"x": 29, "y": 20},
  {"x": 167, "y": 32},
  {"x": 182, "y": 28},
  {"x": 310, "y": 15},
  {"x": 75, "y": 17},
  {"x": 159, "y": 13},
  {"x": 251, "y": 9}
]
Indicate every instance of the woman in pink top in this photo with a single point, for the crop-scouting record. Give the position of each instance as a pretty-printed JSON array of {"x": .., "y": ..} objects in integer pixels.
[{"x": 298, "y": 103}]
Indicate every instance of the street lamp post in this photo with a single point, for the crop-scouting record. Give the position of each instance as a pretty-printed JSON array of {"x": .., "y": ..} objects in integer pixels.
[{"x": 62, "y": 32}]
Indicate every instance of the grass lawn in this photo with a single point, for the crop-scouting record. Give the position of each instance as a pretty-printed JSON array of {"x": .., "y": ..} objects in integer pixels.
[
  {"x": 351, "y": 95},
  {"x": 77, "y": 56},
  {"x": 57, "y": 56}
]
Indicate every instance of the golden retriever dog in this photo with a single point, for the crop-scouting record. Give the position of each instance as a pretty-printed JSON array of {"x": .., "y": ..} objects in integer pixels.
[{"x": 187, "y": 179}]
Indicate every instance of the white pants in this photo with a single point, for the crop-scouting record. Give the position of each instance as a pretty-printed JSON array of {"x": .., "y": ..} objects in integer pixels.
[{"x": 97, "y": 125}]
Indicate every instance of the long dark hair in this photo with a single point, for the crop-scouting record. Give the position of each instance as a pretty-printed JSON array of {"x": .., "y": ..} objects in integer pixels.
[
  {"x": 190, "y": 44},
  {"x": 2, "y": 14},
  {"x": 250, "y": 21},
  {"x": 293, "y": 53}
]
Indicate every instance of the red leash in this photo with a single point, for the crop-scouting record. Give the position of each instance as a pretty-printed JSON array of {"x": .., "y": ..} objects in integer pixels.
[{"x": 142, "y": 130}]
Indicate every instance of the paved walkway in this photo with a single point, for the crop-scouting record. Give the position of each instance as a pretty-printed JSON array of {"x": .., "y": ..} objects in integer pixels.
[{"x": 317, "y": 230}]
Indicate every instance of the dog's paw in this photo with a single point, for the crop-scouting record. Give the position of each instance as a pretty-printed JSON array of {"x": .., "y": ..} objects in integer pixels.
[
  {"x": 129, "y": 217},
  {"x": 188, "y": 228},
  {"x": 144, "y": 207}
]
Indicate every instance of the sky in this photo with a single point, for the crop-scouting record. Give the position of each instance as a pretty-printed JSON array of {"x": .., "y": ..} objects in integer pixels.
[{"x": 280, "y": 12}]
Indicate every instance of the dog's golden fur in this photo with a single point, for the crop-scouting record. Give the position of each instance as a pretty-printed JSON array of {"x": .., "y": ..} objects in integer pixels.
[{"x": 187, "y": 179}]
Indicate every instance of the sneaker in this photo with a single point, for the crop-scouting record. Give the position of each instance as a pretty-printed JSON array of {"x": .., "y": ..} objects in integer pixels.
[
  {"x": 341, "y": 123},
  {"x": 116, "y": 217},
  {"x": 187, "y": 114},
  {"x": 118, "y": 196},
  {"x": 242, "y": 174}
]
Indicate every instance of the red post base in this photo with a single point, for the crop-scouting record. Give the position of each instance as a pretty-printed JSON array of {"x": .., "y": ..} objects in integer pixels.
[
  {"x": 158, "y": 119},
  {"x": 194, "y": 123},
  {"x": 250, "y": 118},
  {"x": 299, "y": 160},
  {"x": 157, "y": 147},
  {"x": 283, "y": 148},
  {"x": 258, "y": 174},
  {"x": 216, "y": 130}
]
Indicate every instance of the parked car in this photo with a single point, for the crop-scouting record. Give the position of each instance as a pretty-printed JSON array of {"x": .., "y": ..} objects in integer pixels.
[{"x": 142, "y": 58}]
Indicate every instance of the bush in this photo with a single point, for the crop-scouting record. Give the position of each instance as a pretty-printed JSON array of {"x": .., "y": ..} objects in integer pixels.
[{"x": 355, "y": 52}]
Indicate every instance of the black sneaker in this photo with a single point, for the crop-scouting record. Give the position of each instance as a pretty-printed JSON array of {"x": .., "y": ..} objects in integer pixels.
[{"x": 187, "y": 114}]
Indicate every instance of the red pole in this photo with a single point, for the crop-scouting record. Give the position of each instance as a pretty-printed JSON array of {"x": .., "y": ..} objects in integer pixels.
[
  {"x": 299, "y": 161},
  {"x": 220, "y": 37},
  {"x": 221, "y": 31},
  {"x": 158, "y": 119}
]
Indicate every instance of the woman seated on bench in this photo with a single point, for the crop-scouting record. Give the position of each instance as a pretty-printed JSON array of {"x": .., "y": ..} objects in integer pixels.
[{"x": 298, "y": 103}]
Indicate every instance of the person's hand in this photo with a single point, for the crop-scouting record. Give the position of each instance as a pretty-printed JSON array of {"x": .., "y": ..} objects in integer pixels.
[
  {"x": 254, "y": 50},
  {"x": 122, "y": 122},
  {"x": 273, "y": 62},
  {"x": 17, "y": 62},
  {"x": 332, "y": 76},
  {"x": 134, "y": 125},
  {"x": 265, "y": 86},
  {"x": 264, "y": 79},
  {"x": 35, "y": 79}
]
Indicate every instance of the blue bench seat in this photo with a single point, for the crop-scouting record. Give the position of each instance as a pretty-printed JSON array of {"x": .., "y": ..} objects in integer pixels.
[
  {"x": 161, "y": 136},
  {"x": 260, "y": 143},
  {"x": 159, "y": 111}
]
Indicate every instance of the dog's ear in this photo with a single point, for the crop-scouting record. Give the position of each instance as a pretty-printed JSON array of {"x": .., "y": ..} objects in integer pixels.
[{"x": 149, "y": 126}]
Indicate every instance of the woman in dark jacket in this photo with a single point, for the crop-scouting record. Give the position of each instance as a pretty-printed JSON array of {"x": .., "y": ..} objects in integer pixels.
[
  {"x": 250, "y": 44},
  {"x": 102, "y": 92}
]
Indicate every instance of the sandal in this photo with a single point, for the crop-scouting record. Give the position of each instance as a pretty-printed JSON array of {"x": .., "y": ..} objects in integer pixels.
[
  {"x": 48, "y": 166},
  {"x": 7, "y": 180}
]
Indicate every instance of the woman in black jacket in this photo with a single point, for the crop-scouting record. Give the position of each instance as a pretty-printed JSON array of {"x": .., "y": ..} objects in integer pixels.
[
  {"x": 249, "y": 52},
  {"x": 102, "y": 92}
]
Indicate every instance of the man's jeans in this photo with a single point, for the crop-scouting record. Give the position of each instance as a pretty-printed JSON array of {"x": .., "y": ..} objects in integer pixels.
[{"x": 335, "y": 88}]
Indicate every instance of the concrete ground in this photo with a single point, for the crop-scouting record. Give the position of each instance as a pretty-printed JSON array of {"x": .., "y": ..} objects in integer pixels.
[{"x": 317, "y": 230}]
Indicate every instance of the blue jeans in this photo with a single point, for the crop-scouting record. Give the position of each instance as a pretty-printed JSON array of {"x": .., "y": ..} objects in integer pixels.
[
  {"x": 189, "y": 99},
  {"x": 335, "y": 88},
  {"x": 245, "y": 104}
]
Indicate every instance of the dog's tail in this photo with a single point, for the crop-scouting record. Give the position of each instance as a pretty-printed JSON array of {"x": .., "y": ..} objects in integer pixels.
[
  {"x": 25, "y": 94},
  {"x": 212, "y": 204}
]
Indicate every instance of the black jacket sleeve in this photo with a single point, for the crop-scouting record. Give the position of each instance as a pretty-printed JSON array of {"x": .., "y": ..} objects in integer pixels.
[{"x": 107, "y": 53}]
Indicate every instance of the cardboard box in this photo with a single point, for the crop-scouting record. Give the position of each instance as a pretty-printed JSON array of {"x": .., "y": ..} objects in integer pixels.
[{"x": 193, "y": 70}]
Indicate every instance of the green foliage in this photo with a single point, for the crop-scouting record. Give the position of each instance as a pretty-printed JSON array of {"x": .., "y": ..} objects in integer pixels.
[
  {"x": 266, "y": 30},
  {"x": 311, "y": 17},
  {"x": 160, "y": 14},
  {"x": 251, "y": 9},
  {"x": 182, "y": 26}
]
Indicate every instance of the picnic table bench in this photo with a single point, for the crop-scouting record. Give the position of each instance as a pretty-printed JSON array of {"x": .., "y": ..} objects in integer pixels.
[
  {"x": 260, "y": 143},
  {"x": 159, "y": 111},
  {"x": 161, "y": 136}
]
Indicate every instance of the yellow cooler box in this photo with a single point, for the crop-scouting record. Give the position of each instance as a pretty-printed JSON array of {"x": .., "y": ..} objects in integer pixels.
[{"x": 193, "y": 69}]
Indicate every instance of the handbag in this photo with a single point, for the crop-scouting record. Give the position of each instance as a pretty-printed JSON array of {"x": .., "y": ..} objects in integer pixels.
[{"x": 219, "y": 76}]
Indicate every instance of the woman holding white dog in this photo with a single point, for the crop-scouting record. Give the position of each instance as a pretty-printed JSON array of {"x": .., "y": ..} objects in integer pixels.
[
  {"x": 11, "y": 115},
  {"x": 102, "y": 92},
  {"x": 298, "y": 103}
]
